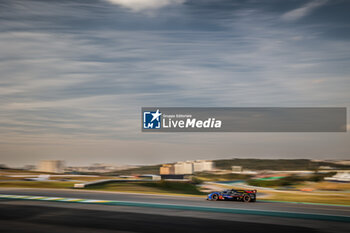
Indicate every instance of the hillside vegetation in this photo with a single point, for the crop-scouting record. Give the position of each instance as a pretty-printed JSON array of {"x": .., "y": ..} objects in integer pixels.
[
  {"x": 153, "y": 169},
  {"x": 275, "y": 164}
]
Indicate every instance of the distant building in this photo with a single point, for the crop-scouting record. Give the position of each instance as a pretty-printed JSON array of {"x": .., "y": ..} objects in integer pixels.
[
  {"x": 99, "y": 168},
  {"x": 203, "y": 165},
  {"x": 183, "y": 168},
  {"x": 237, "y": 169},
  {"x": 187, "y": 167},
  {"x": 179, "y": 168},
  {"x": 167, "y": 169},
  {"x": 54, "y": 166}
]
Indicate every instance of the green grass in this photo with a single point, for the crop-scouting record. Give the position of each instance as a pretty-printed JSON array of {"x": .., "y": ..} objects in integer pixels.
[
  {"x": 340, "y": 199},
  {"x": 176, "y": 187},
  {"x": 223, "y": 177},
  {"x": 289, "y": 180},
  {"x": 10, "y": 171},
  {"x": 140, "y": 187},
  {"x": 153, "y": 169},
  {"x": 36, "y": 184},
  {"x": 149, "y": 187}
]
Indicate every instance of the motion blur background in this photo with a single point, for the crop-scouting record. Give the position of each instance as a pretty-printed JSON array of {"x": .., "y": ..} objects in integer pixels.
[{"x": 75, "y": 74}]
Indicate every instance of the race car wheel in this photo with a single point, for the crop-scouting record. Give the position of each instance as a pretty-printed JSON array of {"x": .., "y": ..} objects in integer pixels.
[
  {"x": 214, "y": 197},
  {"x": 246, "y": 198}
]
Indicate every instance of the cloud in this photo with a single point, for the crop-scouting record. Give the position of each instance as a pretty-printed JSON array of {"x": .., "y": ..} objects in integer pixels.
[
  {"x": 140, "y": 5},
  {"x": 303, "y": 11}
]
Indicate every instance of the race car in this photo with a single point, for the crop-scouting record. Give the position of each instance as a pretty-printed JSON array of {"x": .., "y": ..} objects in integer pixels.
[{"x": 234, "y": 195}]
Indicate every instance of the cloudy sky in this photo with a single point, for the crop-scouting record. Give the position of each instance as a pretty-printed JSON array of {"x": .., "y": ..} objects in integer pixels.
[{"x": 75, "y": 74}]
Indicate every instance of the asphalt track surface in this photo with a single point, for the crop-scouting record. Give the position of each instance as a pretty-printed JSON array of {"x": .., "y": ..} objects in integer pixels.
[{"x": 42, "y": 216}]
